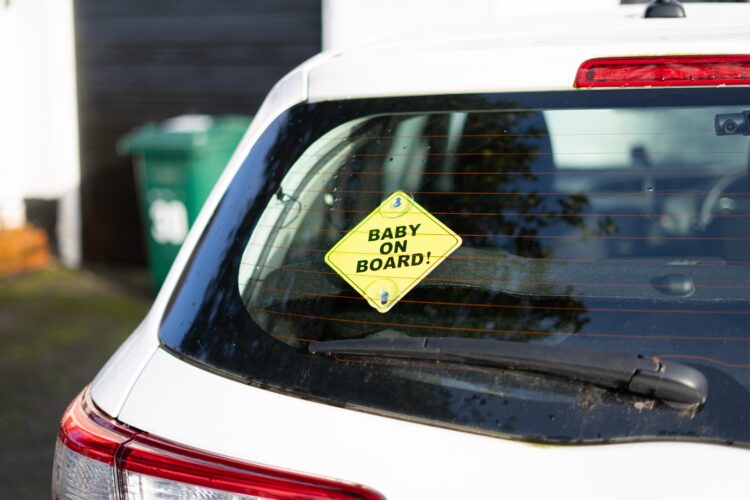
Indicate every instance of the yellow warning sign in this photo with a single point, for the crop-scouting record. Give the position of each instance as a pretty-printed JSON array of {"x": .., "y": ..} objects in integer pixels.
[{"x": 392, "y": 250}]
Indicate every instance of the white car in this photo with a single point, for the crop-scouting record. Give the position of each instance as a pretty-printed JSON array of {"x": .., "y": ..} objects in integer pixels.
[{"x": 508, "y": 261}]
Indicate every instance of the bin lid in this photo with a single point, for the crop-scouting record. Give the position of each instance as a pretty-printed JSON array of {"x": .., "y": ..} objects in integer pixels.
[{"x": 183, "y": 134}]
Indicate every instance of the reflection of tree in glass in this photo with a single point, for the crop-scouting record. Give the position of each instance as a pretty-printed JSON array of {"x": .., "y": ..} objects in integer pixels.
[
  {"x": 507, "y": 156},
  {"x": 429, "y": 312}
]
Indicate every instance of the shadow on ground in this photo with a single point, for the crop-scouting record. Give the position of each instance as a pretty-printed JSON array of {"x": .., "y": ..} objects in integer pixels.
[{"x": 57, "y": 328}]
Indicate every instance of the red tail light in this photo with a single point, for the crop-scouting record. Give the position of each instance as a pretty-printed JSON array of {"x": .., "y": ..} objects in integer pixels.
[
  {"x": 90, "y": 433},
  {"x": 664, "y": 71},
  {"x": 97, "y": 456}
]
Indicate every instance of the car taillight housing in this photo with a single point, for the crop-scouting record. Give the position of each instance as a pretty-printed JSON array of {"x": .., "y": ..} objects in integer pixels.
[
  {"x": 99, "y": 457},
  {"x": 664, "y": 71}
]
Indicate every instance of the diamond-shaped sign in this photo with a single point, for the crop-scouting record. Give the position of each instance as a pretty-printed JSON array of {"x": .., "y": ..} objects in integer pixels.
[{"x": 394, "y": 248}]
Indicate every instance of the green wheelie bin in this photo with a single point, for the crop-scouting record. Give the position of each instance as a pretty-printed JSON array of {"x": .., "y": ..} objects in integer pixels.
[{"x": 177, "y": 162}]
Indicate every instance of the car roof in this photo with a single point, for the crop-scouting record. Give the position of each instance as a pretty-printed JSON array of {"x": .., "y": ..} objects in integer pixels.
[{"x": 519, "y": 53}]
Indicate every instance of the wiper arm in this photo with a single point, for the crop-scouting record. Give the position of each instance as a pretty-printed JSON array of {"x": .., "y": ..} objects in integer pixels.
[{"x": 673, "y": 383}]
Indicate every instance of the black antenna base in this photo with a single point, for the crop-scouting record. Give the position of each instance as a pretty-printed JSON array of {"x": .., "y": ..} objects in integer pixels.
[{"x": 664, "y": 8}]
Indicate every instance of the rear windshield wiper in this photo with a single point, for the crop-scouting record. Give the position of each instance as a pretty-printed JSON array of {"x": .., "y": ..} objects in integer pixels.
[{"x": 673, "y": 383}]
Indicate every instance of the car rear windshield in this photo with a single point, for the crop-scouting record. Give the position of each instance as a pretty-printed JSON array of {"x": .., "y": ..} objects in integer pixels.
[{"x": 610, "y": 221}]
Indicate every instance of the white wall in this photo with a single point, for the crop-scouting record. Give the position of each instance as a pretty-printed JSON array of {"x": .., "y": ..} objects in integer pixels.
[
  {"x": 39, "y": 155},
  {"x": 11, "y": 180},
  {"x": 348, "y": 23}
]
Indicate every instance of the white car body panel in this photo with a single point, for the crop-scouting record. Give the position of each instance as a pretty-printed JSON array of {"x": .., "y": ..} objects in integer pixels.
[
  {"x": 144, "y": 386},
  {"x": 529, "y": 54}
]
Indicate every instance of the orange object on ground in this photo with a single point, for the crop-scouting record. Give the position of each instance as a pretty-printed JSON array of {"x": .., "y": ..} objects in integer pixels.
[{"x": 24, "y": 249}]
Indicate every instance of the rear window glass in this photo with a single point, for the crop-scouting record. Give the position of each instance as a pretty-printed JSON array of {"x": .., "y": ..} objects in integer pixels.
[{"x": 620, "y": 227}]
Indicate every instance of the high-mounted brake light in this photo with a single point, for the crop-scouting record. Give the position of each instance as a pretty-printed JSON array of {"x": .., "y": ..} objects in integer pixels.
[
  {"x": 99, "y": 457},
  {"x": 664, "y": 71}
]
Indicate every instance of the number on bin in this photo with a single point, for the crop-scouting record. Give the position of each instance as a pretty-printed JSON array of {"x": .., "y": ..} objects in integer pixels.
[{"x": 169, "y": 221}]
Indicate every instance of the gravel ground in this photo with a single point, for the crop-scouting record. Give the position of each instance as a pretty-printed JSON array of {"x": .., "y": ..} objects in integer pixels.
[{"x": 57, "y": 328}]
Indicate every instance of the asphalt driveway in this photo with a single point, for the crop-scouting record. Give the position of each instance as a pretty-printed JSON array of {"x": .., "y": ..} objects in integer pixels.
[{"x": 57, "y": 328}]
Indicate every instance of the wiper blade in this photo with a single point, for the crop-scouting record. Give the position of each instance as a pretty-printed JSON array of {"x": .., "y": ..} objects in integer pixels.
[{"x": 673, "y": 383}]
